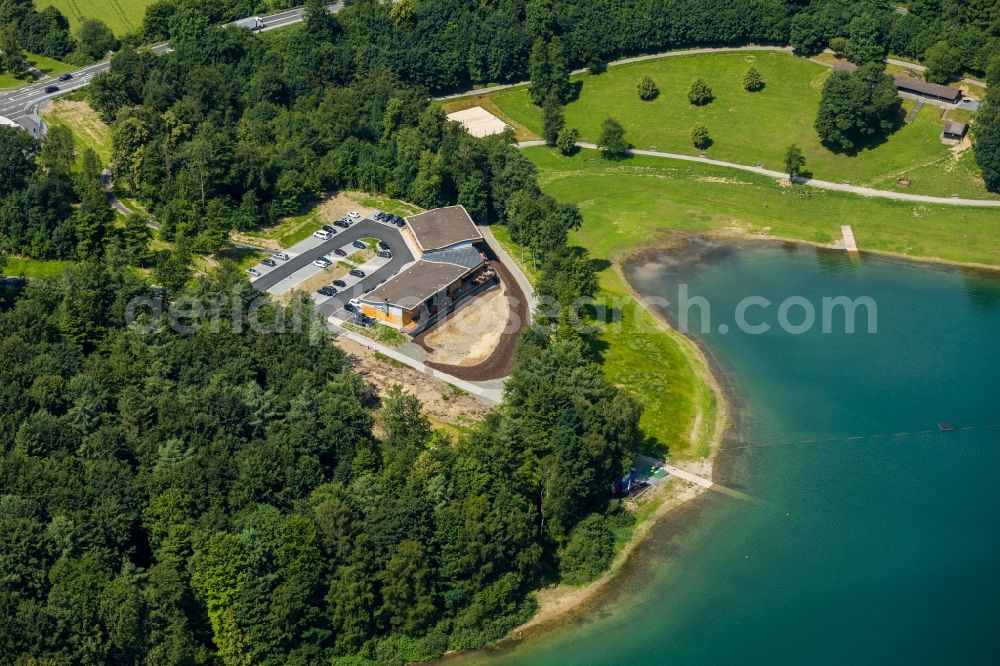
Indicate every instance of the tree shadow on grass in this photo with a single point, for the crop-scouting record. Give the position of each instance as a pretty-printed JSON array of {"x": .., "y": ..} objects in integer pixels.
[
  {"x": 599, "y": 265},
  {"x": 575, "y": 88}
]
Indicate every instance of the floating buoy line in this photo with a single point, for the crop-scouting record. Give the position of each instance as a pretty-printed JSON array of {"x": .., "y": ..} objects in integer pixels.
[{"x": 942, "y": 429}]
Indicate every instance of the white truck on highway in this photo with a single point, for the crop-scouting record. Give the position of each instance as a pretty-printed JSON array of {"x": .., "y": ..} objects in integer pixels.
[{"x": 252, "y": 23}]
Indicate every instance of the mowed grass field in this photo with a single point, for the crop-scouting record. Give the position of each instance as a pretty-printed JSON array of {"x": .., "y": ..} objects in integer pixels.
[
  {"x": 655, "y": 364},
  {"x": 122, "y": 16},
  {"x": 635, "y": 203},
  {"x": 48, "y": 66},
  {"x": 627, "y": 204},
  {"x": 749, "y": 128}
]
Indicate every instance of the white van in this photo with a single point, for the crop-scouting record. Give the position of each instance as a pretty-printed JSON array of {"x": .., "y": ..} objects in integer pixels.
[{"x": 322, "y": 234}]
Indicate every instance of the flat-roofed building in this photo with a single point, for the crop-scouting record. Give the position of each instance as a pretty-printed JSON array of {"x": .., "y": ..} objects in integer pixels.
[
  {"x": 442, "y": 228},
  {"x": 448, "y": 258}
]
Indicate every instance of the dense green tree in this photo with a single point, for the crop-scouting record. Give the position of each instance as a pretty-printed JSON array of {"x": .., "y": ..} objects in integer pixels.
[
  {"x": 589, "y": 551},
  {"x": 12, "y": 58},
  {"x": 857, "y": 108},
  {"x": 129, "y": 143},
  {"x": 611, "y": 142},
  {"x": 647, "y": 89},
  {"x": 795, "y": 161},
  {"x": 95, "y": 39},
  {"x": 58, "y": 153},
  {"x": 539, "y": 71},
  {"x": 566, "y": 140},
  {"x": 567, "y": 275},
  {"x": 987, "y": 144},
  {"x": 552, "y": 118},
  {"x": 548, "y": 71},
  {"x": 17, "y": 152},
  {"x": 107, "y": 93},
  {"x": 156, "y": 21},
  {"x": 407, "y": 593},
  {"x": 752, "y": 80},
  {"x": 699, "y": 93},
  {"x": 986, "y": 129},
  {"x": 865, "y": 44},
  {"x": 700, "y": 137},
  {"x": 943, "y": 62}
]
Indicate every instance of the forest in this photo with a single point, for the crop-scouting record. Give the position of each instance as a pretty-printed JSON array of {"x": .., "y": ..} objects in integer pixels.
[
  {"x": 235, "y": 131},
  {"x": 238, "y": 494},
  {"x": 241, "y": 496}
]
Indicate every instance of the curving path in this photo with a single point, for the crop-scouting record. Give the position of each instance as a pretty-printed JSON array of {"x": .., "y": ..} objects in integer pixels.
[
  {"x": 813, "y": 182},
  {"x": 626, "y": 61}
]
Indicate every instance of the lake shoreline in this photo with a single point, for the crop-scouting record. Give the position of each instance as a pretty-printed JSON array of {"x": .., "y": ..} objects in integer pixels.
[{"x": 560, "y": 605}]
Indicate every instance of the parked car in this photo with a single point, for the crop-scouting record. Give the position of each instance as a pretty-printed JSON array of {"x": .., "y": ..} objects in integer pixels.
[
  {"x": 323, "y": 234},
  {"x": 361, "y": 245},
  {"x": 325, "y": 291},
  {"x": 382, "y": 245},
  {"x": 322, "y": 262},
  {"x": 269, "y": 262},
  {"x": 340, "y": 252},
  {"x": 51, "y": 89},
  {"x": 353, "y": 214},
  {"x": 327, "y": 227},
  {"x": 378, "y": 215},
  {"x": 358, "y": 273},
  {"x": 253, "y": 271},
  {"x": 343, "y": 224},
  {"x": 66, "y": 77},
  {"x": 281, "y": 256},
  {"x": 355, "y": 302},
  {"x": 351, "y": 307},
  {"x": 333, "y": 290},
  {"x": 340, "y": 283},
  {"x": 398, "y": 221},
  {"x": 385, "y": 254}
]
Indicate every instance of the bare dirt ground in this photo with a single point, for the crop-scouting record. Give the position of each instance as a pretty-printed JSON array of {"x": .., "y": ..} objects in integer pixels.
[
  {"x": 501, "y": 362},
  {"x": 470, "y": 335},
  {"x": 441, "y": 402},
  {"x": 331, "y": 208}
]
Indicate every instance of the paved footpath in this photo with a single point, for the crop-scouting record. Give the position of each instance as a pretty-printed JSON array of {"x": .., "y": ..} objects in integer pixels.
[
  {"x": 490, "y": 396},
  {"x": 812, "y": 182},
  {"x": 513, "y": 267},
  {"x": 683, "y": 52}
]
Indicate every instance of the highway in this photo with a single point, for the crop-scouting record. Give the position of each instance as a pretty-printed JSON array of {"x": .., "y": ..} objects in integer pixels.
[{"x": 22, "y": 104}]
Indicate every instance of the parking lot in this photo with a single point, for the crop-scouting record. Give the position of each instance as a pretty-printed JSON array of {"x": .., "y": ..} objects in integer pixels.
[{"x": 287, "y": 275}]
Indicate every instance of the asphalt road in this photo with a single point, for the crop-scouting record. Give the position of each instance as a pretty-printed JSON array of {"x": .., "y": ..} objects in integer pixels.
[
  {"x": 365, "y": 227},
  {"x": 21, "y": 104}
]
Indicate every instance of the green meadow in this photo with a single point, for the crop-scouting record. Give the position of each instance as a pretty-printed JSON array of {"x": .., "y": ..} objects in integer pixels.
[
  {"x": 636, "y": 203},
  {"x": 630, "y": 203},
  {"x": 122, "y": 16},
  {"x": 48, "y": 66},
  {"x": 754, "y": 128}
]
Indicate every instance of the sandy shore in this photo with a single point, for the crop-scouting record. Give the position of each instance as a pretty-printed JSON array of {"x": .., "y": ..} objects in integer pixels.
[{"x": 558, "y": 603}]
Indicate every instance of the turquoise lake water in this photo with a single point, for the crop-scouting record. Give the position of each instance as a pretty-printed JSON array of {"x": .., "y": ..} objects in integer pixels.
[{"x": 874, "y": 550}]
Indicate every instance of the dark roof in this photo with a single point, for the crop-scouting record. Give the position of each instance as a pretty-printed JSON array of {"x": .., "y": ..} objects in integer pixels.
[
  {"x": 414, "y": 285},
  {"x": 463, "y": 255},
  {"x": 844, "y": 66},
  {"x": 443, "y": 227},
  {"x": 924, "y": 88},
  {"x": 952, "y": 127}
]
